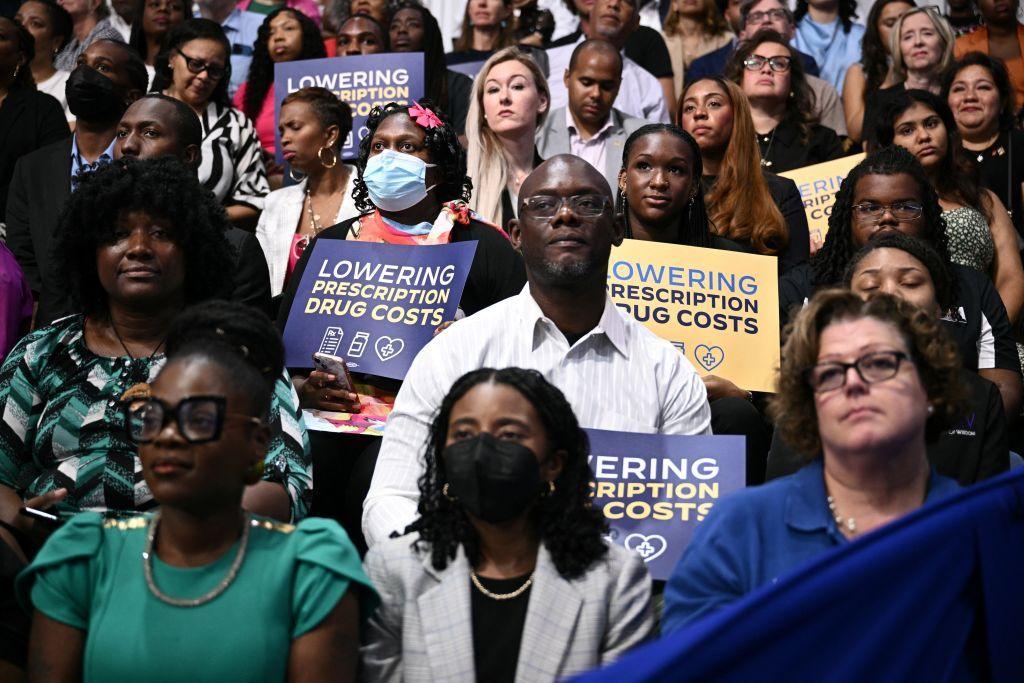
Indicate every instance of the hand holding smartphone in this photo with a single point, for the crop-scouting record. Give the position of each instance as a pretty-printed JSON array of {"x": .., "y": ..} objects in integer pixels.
[{"x": 336, "y": 366}]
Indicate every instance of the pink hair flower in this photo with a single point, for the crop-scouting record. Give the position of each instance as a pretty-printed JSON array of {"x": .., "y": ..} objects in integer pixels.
[{"x": 423, "y": 116}]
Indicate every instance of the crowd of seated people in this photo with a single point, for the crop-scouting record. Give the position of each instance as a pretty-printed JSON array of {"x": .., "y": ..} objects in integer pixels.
[{"x": 162, "y": 191}]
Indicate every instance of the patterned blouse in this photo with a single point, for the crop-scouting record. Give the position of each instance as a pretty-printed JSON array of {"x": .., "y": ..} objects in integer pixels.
[
  {"x": 61, "y": 425},
  {"x": 232, "y": 165},
  {"x": 970, "y": 238}
]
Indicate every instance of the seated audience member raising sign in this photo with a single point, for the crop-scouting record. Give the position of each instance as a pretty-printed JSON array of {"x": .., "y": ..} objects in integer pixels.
[
  {"x": 563, "y": 323},
  {"x": 507, "y": 558}
]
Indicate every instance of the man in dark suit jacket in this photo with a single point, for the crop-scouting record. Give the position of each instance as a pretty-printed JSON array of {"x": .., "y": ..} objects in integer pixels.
[
  {"x": 754, "y": 15},
  {"x": 109, "y": 77},
  {"x": 157, "y": 125}
]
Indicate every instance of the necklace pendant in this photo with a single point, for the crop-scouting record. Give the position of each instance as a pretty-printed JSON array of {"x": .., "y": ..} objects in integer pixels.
[{"x": 765, "y": 163}]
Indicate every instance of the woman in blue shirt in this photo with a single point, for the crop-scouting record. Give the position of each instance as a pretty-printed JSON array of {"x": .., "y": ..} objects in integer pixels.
[{"x": 864, "y": 384}]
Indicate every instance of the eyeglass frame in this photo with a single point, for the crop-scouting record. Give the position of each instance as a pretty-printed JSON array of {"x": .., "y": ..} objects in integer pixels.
[
  {"x": 753, "y": 62},
  {"x": 222, "y": 416},
  {"x": 900, "y": 356},
  {"x": 775, "y": 13},
  {"x": 891, "y": 208},
  {"x": 571, "y": 200},
  {"x": 204, "y": 66}
]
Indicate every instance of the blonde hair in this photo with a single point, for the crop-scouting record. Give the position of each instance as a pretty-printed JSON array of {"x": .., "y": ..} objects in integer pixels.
[
  {"x": 711, "y": 20},
  {"x": 486, "y": 163},
  {"x": 740, "y": 205},
  {"x": 899, "y": 68}
]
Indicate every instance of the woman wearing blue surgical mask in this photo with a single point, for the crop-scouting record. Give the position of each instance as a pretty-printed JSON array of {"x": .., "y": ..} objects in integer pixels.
[
  {"x": 506, "y": 563},
  {"x": 412, "y": 186}
]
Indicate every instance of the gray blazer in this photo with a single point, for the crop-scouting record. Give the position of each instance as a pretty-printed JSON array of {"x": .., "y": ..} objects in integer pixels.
[
  {"x": 422, "y": 630},
  {"x": 553, "y": 138}
]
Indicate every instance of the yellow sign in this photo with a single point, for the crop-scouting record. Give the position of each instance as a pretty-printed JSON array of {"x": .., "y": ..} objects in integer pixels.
[
  {"x": 818, "y": 185},
  {"x": 719, "y": 308}
]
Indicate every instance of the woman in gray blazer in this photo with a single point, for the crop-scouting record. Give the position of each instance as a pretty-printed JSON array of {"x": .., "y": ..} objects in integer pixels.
[{"x": 505, "y": 576}]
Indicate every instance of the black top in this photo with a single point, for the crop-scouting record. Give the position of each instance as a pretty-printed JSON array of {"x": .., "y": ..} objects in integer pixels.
[
  {"x": 978, "y": 307},
  {"x": 496, "y": 274},
  {"x": 787, "y": 198},
  {"x": 976, "y": 448},
  {"x": 645, "y": 46},
  {"x": 508, "y": 212},
  {"x": 1001, "y": 168},
  {"x": 29, "y": 119},
  {"x": 498, "y": 628},
  {"x": 783, "y": 150},
  {"x": 874, "y": 104},
  {"x": 460, "y": 92}
]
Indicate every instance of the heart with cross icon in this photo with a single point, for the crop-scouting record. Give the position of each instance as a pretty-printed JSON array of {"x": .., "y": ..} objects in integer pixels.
[
  {"x": 709, "y": 357},
  {"x": 388, "y": 347},
  {"x": 647, "y": 547}
]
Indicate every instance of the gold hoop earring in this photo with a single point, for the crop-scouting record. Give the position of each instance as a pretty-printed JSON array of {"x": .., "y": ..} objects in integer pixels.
[
  {"x": 299, "y": 178},
  {"x": 551, "y": 488},
  {"x": 444, "y": 492},
  {"x": 334, "y": 157}
]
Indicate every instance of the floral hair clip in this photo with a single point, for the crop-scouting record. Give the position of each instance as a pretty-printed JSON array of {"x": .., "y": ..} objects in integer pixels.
[{"x": 423, "y": 116}]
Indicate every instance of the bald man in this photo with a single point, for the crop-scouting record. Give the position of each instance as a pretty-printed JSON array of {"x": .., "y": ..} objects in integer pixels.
[
  {"x": 589, "y": 126},
  {"x": 616, "y": 374}
]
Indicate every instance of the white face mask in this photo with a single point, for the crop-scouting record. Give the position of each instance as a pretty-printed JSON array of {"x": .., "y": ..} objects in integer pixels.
[{"x": 396, "y": 181}]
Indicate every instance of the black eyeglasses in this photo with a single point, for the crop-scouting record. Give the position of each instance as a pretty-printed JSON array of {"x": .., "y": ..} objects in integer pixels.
[
  {"x": 200, "y": 419},
  {"x": 778, "y": 64},
  {"x": 583, "y": 205},
  {"x": 872, "y": 368},
  {"x": 758, "y": 17},
  {"x": 198, "y": 66},
  {"x": 900, "y": 210}
]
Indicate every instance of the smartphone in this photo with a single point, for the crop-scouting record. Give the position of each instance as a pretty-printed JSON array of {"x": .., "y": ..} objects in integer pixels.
[
  {"x": 45, "y": 517},
  {"x": 334, "y": 365}
]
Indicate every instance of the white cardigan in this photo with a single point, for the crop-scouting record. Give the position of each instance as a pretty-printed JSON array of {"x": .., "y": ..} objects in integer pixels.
[{"x": 281, "y": 212}]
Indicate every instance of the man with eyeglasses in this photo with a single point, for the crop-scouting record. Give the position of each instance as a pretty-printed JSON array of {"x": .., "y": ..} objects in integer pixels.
[
  {"x": 563, "y": 324},
  {"x": 241, "y": 28},
  {"x": 108, "y": 78}
]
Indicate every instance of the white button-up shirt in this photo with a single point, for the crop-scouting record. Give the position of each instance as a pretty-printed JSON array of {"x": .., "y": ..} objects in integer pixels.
[
  {"x": 593, "y": 150},
  {"x": 640, "y": 93},
  {"x": 619, "y": 376}
]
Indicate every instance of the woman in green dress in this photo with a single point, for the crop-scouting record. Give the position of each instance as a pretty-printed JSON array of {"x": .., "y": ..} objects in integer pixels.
[{"x": 201, "y": 590}]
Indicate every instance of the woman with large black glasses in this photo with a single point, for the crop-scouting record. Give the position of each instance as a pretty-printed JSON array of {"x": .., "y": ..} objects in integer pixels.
[
  {"x": 167, "y": 596},
  {"x": 782, "y": 105},
  {"x": 194, "y": 67},
  {"x": 863, "y": 385}
]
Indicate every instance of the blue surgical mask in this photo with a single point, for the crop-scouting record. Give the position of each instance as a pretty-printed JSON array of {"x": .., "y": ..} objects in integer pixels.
[{"x": 396, "y": 181}]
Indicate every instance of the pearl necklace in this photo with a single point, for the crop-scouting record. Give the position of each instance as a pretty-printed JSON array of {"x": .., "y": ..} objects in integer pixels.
[
  {"x": 849, "y": 523},
  {"x": 500, "y": 596},
  {"x": 147, "y": 567}
]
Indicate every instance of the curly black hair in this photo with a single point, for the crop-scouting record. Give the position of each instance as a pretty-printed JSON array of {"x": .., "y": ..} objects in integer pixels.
[
  {"x": 435, "y": 63},
  {"x": 442, "y": 143},
  {"x": 567, "y": 523},
  {"x": 829, "y": 264},
  {"x": 186, "y": 32},
  {"x": 942, "y": 276},
  {"x": 239, "y": 338},
  {"x": 801, "y": 103},
  {"x": 27, "y": 47},
  {"x": 1000, "y": 77},
  {"x": 162, "y": 187},
  {"x": 694, "y": 223},
  {"x": 261, "y": 69},
  {"x": 847, "y": 12},
  {"x": 874, "y": 60},
  {"x": 956, "y": 176}
]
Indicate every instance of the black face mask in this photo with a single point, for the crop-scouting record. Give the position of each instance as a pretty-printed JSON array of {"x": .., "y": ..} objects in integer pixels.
[
  {"x": 93, "y": 97},
  {"x": 492, "y": 479}
]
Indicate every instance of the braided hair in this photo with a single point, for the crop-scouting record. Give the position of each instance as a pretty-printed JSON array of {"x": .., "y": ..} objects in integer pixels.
[
  {"x": 694, "y": 222},
  {"x": 261, "y": 70},
  {"x": 442, "y": 143},
  {"x": 829, "y": 264},
  {"x": 568, "y": 525},
  {"x": 240, "y": 339}
]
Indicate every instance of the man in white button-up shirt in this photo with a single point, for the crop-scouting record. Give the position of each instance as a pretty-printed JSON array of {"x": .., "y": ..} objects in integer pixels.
[{"x": 616, "y": 374}]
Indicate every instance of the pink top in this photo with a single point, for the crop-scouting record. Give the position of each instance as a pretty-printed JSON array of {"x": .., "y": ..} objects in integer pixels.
[
  {"x": 264, "y": 123},
  {"x": 299, "y": 244},
  {"x": 15, "y": 302},
  {"x": 307, "y": 7}
]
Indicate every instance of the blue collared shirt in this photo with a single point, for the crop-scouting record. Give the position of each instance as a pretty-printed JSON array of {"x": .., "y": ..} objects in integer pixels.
[
  {"x": 754, "y": 537},
  {"x": 80, "y": 165},
  {"x": 241, "y": 29}
]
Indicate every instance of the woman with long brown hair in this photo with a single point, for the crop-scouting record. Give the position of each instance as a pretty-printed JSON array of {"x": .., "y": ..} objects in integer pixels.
[
  {"x": 486, "y": 26},
  {"x": 745, "y": 203}
]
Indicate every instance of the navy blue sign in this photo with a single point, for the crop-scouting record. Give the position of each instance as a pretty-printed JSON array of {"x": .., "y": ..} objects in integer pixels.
[
  {"x": 375, "y": 305},
  {"x": 364, "y": 81},
  {"x": 654, "y": 488}
]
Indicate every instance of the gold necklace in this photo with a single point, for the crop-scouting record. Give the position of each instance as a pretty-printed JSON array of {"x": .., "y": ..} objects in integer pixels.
[{"x": 500, "y": 596}]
